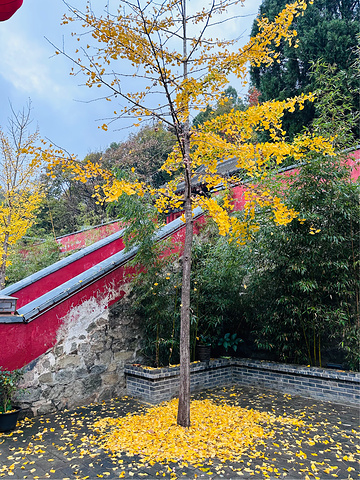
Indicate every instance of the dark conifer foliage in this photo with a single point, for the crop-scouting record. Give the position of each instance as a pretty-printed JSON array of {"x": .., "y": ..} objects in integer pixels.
[{"x": 328, "y": 30}]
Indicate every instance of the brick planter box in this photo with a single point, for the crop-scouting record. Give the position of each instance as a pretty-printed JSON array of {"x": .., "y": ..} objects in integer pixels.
[{"x": 158, "y": 384}]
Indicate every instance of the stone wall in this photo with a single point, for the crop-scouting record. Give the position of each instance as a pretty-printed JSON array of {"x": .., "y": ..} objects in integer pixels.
[
  {"x": 156, "y": 385},
  {"x": 87, "y": 363}
]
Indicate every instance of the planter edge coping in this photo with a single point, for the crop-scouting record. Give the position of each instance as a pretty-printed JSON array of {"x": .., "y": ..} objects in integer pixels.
[
  {"x": 287, "y": 369},
  {"x": 173, "y": 371}
]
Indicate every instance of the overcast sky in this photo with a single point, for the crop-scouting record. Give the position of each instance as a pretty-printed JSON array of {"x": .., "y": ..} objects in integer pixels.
[{"x": 30, "y": 70}]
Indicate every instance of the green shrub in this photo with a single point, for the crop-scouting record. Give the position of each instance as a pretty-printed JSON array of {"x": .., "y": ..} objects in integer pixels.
[
  {"x": 8, "y": 387},
  {"x": 302, "y": 297},
  {"x": 216, "y": 284}
]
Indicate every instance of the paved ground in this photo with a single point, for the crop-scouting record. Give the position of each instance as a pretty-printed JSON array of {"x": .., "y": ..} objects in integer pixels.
[{"x": 328, "y": 446}]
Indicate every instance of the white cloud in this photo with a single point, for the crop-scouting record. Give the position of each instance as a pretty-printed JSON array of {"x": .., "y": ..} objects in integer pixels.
[{"x": 26, "y": 66}]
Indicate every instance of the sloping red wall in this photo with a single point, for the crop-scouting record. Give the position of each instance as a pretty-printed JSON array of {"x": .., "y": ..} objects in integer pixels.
[
  {"x": 53, "y": 280},
  {"x": 23, "y": 342},
  {"x": 78, "y": 240}
]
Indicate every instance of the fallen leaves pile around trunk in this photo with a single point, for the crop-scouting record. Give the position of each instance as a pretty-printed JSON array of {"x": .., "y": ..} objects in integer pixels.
[{"x": 221, "y": 431}]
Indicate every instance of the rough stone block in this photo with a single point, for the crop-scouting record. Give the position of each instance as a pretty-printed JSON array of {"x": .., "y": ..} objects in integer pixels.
[
  {"x": 45, "y": 409},
  {"x": 106, "y": 357},
  {"x": 46, "y": 378},
  {"x": 69, "y": 361},
  {"x": 112, "y": 367},
  {"x": 107, "y": 394},
  {"x": 59, "y": 350},
  {"x": 64, "y": 376},
  {"x": 57, "y": 391},
  {"x": 97, "y": 369},
  {"x": 97, "y": 347},
  {"x": 91, "y": 384},
  {"x": 81, "y": 372},
  {"x": 74, "y": 389},
  {"x": 31, "y": 396},
  {"x": 123, "y": 356},
  {"x": 110, "y": 378}
]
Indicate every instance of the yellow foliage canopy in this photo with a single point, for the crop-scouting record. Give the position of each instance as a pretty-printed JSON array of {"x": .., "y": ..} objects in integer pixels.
[
  {"x": 145, "y": 36},
  {"x": 233, "y": 135},
  {"x": 21, "y": 158},
  {"x": 150, "y": 38}
]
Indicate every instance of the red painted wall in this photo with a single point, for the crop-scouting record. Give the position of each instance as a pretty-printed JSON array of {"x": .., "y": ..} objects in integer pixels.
[
  {"x": 27, "y": 341},
  {"x": 45, "y": 284},
  {"x": 78, "y": 240}
]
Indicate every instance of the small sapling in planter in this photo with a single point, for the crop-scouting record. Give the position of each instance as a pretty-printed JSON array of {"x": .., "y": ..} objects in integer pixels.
[
  {"x": 229, "y": 341},
  {"x": 9, "y": 381}
]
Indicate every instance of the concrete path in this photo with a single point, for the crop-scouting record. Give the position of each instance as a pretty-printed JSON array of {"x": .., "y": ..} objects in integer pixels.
[{"x": 328, "y": 446}]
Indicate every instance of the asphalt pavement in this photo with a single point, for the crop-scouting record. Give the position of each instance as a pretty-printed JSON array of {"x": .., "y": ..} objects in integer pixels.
[{"x": 327, "y": 446}]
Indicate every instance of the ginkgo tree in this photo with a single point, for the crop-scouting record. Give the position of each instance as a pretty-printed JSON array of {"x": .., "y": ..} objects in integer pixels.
[
  {"x": 180, "y": 69},
  {"x": 22, "y": 155}
]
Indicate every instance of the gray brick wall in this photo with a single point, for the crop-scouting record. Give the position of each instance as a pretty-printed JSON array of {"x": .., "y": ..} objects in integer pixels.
[
  {"x": 319, "y": 383},
  {"x": 156, "y": 385}
]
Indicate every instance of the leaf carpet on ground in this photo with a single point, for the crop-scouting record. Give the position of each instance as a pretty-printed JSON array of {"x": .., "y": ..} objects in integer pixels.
[
  {"x": 221, "y": 431},
  {"x": 302, "y": 439}
]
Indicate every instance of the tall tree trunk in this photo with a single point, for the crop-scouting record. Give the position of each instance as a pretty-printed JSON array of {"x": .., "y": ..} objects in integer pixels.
[
  {"x": 183, "y": 417},
  {"x": 3, "y": 261},
  {"x": 2, "y": 275}
]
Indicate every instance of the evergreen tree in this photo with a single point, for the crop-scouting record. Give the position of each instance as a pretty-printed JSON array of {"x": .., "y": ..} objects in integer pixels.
[
  {"x": 233, "y": 102},
  {"x": 327, "y": 30}
]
